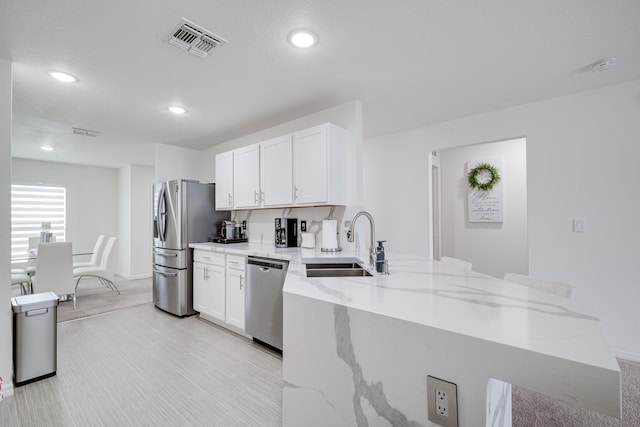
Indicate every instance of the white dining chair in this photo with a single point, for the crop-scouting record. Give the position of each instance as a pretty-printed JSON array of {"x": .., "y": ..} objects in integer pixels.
[
  {"x": 95, "y": 256},
  {"x": 103, "y": 271},
  {"x": 22, "y": 279},
  {"x": 556, "y": 288},
  {"x": 456, "y": 262},
  {"x": 54, "y": 270},
  {"x": 32, "y": 245}
]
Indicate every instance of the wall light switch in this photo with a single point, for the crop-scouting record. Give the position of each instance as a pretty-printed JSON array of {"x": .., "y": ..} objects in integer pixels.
[{"x": 578, "y": 226}]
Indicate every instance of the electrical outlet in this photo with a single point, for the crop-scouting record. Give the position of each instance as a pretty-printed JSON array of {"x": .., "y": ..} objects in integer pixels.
[
  {"x": 442, "y": 402},
  {"x": 303, "y": 225}
]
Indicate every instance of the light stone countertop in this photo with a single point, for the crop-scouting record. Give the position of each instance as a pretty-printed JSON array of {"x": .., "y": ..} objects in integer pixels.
[
  {"x": 423, "y": 291},
  {"x": 551, "y": 333}
]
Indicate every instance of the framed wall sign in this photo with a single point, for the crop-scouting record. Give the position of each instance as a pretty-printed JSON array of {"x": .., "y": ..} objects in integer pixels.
[{"x": 484, "y": 190}]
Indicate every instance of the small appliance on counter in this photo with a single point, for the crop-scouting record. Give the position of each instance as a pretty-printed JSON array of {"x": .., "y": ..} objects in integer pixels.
[
  {"x": 286, "y": 232},
  {"x": 231, "y": 232},
  {"x": 330, "y": 236}
]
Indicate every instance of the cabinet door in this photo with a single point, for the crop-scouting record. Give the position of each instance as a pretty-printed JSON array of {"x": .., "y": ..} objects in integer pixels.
[
  {"x": 246, "y": 176},
  {"x": 217, "y": 279},
  {"x": 209, "y": 290},
  {"x": 310, "y": 179},
  {"x": 202, "y": 292},
  {"x": 224, "y": 180},
  {"x": 276, "y": 165},
  {"x": 235, "y": 298}
]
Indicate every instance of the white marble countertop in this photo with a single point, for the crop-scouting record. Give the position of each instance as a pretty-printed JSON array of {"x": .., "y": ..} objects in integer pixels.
[
  {"x": 560, "y": 342},
  {"x": 428, "y": 293}
]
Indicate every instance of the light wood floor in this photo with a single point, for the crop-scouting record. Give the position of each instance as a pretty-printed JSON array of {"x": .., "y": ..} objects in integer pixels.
[{"x": 140, "y": 366}]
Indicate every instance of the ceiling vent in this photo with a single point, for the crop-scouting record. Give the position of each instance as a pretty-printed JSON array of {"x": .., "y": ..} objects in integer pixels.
[
  {"x": 85, "y": 132},
  {"x": 194, "y": 39}
]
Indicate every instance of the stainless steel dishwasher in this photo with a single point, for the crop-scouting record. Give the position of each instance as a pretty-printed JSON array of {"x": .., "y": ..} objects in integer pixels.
[{"x": 263, "y": 300}]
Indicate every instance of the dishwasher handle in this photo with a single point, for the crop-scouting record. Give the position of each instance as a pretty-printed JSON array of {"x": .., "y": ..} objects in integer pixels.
[{"x": 266, "y": 263}]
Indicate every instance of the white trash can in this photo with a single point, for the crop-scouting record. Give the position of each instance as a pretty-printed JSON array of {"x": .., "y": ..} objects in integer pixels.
[{"x": 35, "y": 337}]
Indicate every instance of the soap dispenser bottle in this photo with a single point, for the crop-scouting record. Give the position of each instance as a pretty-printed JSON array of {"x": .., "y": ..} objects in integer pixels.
[{"x": 380, "y": 256}]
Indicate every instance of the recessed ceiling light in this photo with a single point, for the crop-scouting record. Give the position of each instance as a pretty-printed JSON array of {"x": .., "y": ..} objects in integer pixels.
[
  {"x": 46, "y": 148},
  {"x": 63, "y": 77},
  {"x": 303, "y": 38},
  {"x": 177, "y": 110}
]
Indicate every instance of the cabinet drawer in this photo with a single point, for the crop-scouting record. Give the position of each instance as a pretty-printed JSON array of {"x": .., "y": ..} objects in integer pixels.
[
  {"x": 208, "y": 257},
  {"x": 236, "y": 262}
]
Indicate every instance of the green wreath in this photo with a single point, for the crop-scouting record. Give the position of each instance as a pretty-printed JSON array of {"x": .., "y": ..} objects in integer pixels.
[{"x": 486, "y": 170}]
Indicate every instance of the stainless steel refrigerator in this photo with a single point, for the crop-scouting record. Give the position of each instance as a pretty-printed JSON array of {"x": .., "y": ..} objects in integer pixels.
[{"x": 183, "y": 213}]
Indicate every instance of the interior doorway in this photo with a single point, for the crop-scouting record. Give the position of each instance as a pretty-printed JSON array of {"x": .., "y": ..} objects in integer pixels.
[{"x": 494, "y": 248}]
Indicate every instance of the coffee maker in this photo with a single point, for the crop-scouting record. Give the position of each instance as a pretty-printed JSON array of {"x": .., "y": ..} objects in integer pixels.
[{"x": 286, "y": 232}]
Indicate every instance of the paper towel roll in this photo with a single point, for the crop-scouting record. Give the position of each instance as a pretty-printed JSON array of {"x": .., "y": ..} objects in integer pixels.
[{"x": 330, "y": 234}]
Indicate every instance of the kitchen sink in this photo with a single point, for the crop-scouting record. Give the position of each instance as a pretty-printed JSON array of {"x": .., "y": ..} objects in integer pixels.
[
  {"x": 349, "y": 269},
  {"x": 333, "y": 265}
]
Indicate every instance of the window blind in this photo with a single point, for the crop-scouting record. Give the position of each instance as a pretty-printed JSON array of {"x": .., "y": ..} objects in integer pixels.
[{"x": 30, "y": 206}]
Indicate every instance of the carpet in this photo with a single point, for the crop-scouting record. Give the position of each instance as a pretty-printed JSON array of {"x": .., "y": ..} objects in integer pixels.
[
  {"x": 531, "y": 409},
  {"x": 94, "y": 298}
]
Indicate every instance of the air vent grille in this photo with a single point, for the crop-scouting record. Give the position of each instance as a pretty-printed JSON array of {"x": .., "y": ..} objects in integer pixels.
[
  {"x": 85, "y": 132},
  {"x": 194, "y": 39}
]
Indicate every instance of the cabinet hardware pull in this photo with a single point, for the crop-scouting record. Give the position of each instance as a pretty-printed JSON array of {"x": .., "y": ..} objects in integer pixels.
[
  {"x": 229, "y": 198},
  {"x": 255, "y": 197},
  {"x": 240, "y": 282},
  {"x": 295, "y": 192}
]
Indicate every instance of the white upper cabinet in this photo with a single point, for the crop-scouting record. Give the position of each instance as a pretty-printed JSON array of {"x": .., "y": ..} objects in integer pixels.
[
  {"x": 305, "y": 168},
  {"x": 224, "y": 180},
  {"x": 246, "y": 176},
  {"x": 276, "y": 169},
  {"x": 319, "y": 166}
]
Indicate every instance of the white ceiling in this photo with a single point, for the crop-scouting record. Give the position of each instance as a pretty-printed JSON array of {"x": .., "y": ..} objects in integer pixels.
[{"x": 410, "y": 62}]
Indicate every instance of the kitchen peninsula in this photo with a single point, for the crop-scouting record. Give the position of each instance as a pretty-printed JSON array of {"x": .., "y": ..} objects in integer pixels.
[{"x": 360, "y": 349}]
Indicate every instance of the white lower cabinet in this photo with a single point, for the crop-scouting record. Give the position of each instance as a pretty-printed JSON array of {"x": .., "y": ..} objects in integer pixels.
[
  {"x": 235, "y": 291},
  {"x": 209, "y": 284},
  {"x": 219, "y": 287}
]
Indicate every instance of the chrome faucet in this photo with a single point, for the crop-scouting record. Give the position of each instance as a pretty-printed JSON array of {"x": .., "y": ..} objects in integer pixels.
[{"x": 351, "y": 235}]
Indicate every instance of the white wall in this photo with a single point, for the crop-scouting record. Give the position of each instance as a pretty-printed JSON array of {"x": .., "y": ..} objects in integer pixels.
[
  {"x": 492, "y": 248},
  {"x": 173, "y": 162},
  {"x": 135, "y": 223},
  {"x": 582, "y": 153},
  {"x": 6, "y": 347},
  {"x": 92, "y": 197},
  {"x": 124, "y": 221}
]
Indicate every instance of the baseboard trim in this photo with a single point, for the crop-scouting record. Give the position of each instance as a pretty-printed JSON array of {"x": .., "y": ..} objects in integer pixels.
[
  {"x": 627, "y": 355},
  {"x": 6, "y": 390}
]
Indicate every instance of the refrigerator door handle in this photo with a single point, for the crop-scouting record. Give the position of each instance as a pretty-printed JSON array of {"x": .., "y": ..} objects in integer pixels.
[
  {"x": 162, "y": 215},
  {"x": 163, "y": 273}
]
